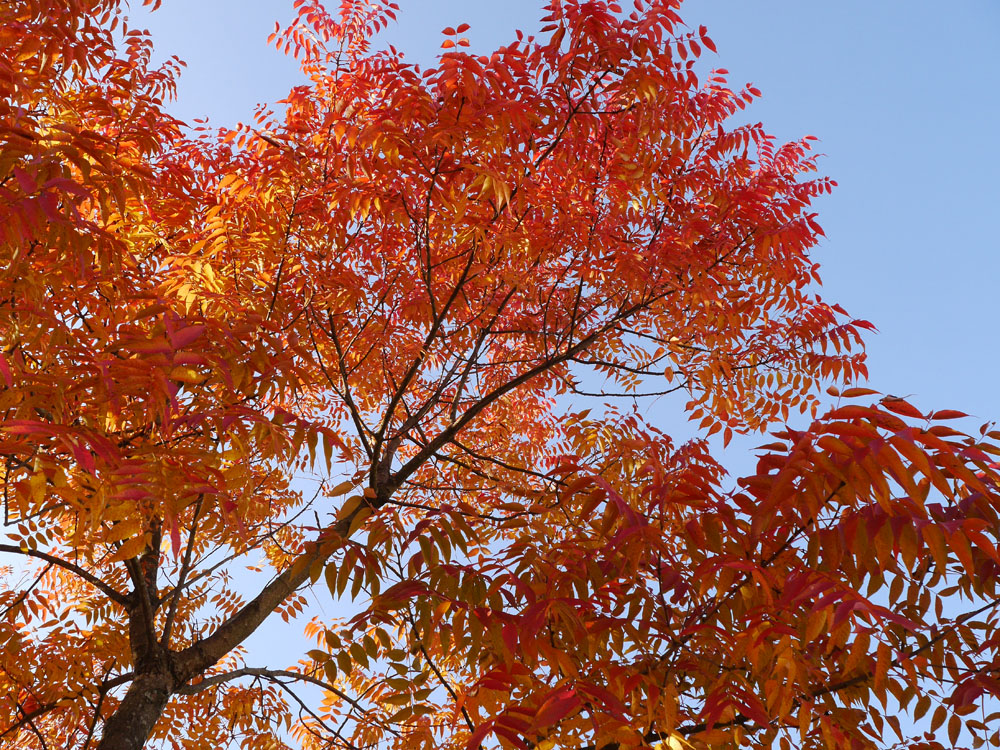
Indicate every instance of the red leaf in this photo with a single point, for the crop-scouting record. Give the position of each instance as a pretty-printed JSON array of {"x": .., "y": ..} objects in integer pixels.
[
  {"x": 30, "y": 426},
  {"x": 900, "y": 406},
  {"x": 948, "y": 414},
  {"x": 610, "y": 703},
  {"x": 175, "y": 537},
  {"x": 705, "y": 39},
  {"x": 973, "y": 454},
  {"x": 556, "y": 706},
  {"x": 50, "y": 206},
  {"x": 509, "y": 634},
  {"x": 843, "y": 610},
  {"x": 85, "y": 459},
  {"x": 462, "y": 28},
  {"x": 183, "y": 337},
  {"x": 514, "y": 738},
  {"x": 5, "y": 371},
  {"x": 25, "y": 180},
  {"x": 477, "y": 737}
]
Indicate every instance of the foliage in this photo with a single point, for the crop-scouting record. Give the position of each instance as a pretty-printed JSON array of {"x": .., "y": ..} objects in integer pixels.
[{"x": 353, "y": 339}]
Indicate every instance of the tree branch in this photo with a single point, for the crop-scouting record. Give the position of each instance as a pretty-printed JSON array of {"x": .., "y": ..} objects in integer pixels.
[
  {"x": 175, "y": 595},
  {"x": 275, "y": 675},
  {"x": 204, "y": 653},
  {"x": 114, "y": 595}
]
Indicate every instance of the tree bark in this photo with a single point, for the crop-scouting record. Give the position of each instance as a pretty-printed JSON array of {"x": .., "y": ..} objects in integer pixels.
[
  {"x": 132, "y": 723},
  {"x": 164, "y": 673}
]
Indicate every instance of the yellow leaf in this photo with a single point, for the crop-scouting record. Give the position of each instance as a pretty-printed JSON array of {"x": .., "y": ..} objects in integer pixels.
[
  {"x": 331, "y": 578},
  {"x": 401, "y": 700},
  {"x": 359, "y": 520},
  {"x": 132, "y": 548},
  {"x": 341, "y": 489},
  {"x": 187, "y": 375},
  {"x": 349, "y": 506},
  {"x": 36, "y": 486},
  {"x": 121, "y": 531}
]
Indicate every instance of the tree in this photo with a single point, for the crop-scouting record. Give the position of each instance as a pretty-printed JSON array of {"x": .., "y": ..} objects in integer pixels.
[{"x": 353, "y": 339}]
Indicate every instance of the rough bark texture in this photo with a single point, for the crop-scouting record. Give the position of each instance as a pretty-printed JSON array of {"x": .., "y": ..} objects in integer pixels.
[
  {"x": 162, "y": 673},
  {"x": 130, "y": 726}
]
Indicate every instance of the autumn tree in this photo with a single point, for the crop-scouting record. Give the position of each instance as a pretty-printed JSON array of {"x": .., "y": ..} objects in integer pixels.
[{"x": 355, "y": 343}]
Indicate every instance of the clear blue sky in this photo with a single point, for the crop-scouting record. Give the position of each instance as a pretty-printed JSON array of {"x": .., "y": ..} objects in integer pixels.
[{"x": 901, "y": 94}]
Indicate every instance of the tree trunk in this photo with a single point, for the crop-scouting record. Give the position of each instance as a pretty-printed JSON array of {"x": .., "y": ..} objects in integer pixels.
[
  {"x": 130, "y": 726},
  {"x": 161, "y": 672}
]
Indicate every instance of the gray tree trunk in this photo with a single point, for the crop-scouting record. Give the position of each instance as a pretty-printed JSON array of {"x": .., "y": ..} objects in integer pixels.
[{"x": 130, "y": 726}]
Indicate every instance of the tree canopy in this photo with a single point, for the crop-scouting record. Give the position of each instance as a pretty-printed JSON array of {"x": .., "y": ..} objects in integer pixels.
[{"x": 374, "y": 344}]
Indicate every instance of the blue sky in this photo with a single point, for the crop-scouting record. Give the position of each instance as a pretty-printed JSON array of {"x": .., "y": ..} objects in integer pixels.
[{"x": 902, "y": 96}]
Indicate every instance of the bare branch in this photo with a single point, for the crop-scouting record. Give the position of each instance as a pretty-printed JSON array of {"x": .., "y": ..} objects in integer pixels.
[
  {"x": 115, "y": 596},
  {"x": 175, "y": 595}
]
